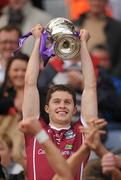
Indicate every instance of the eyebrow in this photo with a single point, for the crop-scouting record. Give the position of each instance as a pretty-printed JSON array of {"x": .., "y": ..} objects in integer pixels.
[{"x": 64, "y": 99}]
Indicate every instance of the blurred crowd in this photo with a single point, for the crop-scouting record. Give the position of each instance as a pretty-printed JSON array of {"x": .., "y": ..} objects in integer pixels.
[{"x": 102, "y": 18}]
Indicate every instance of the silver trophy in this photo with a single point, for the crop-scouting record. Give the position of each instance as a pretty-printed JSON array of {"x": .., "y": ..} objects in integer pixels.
[{"x": 62, "y": 33}]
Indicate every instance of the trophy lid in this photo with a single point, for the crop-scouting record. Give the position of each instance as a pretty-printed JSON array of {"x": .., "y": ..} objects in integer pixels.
[{"x": 60, "y": 25}]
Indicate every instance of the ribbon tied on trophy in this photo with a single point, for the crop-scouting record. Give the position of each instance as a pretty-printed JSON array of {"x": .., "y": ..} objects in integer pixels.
[{"x": 58, "y": 38}]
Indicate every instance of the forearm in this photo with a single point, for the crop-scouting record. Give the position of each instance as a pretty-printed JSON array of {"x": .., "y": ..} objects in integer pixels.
[
  {"x": 101, "y": 151},
  {"x": 77, "y": 158},
  {"x": 89, "y": 95},
  {"x": 87, "y": 67},
  {"x": 31, "y": 104}
]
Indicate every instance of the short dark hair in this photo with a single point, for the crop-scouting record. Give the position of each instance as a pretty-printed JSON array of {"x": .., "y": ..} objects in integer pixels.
[
  {"x": 60, "y": 87},
  {"x": 10, "y": 28}
]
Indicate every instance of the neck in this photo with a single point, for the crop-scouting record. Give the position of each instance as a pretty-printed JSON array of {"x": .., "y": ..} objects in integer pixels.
[{"x": 59, "y": 126}]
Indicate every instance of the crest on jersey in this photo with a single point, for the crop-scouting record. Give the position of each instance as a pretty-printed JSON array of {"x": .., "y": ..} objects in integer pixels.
[
  {"x": 68, "y": 146},
  {"x": 70, "y": 134}
]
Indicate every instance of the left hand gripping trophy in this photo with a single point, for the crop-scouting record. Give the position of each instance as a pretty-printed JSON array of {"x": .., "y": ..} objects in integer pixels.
[{"x": 58, "y": 38}]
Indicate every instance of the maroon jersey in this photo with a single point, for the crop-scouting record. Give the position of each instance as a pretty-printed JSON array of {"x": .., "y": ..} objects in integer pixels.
[{"x": 68, "y": 140}]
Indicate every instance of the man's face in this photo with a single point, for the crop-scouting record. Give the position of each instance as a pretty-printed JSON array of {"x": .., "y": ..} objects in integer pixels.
[
  {"x": 8, "y": 43},
  {"x": 61, "y": 108},
  {"x": 97, "y": 6}
]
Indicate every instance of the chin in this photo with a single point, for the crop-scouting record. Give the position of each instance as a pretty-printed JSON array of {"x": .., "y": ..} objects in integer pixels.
[{"x": 65, "y": 121}]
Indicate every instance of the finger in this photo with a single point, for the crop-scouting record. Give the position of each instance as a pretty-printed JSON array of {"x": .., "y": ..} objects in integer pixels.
[
  {"x": 100, "y": 122},
  {"x": 102, "y": 132}
]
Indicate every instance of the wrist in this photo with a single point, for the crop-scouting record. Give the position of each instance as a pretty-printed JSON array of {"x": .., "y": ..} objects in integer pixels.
[
  {"x": 83, "y": 42},
  {"x": 37, "y": 40},
  {"x": 85, "y": 147},
  {"x": 42, "y": 137}
]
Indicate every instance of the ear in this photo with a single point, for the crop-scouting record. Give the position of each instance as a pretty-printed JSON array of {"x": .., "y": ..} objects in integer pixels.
[
  {"x": 74, "y": 110},
  {"x": 46, "y": 108}
]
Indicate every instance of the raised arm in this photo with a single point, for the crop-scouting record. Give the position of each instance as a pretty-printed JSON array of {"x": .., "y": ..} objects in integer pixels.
[
  {"x": 89, "y": 95},
  {"x": 30, "y": 105},
  {"x": 55, "y": 159}
]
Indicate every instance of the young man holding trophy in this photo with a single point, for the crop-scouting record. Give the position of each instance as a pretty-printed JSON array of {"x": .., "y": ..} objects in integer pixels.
[{"x": 60, "y": 104}]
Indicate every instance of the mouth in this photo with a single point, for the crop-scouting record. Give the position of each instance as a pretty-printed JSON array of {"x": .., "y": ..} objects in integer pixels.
[{"x": 63, "y": 113}]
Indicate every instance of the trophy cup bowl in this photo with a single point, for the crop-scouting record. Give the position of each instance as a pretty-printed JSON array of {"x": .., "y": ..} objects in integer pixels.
[{"x": 61, "y": 32}]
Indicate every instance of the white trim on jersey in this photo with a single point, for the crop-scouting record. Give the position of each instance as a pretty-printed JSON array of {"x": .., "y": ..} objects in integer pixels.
[
  {"x": 83, "y": 122},
  {"x": 85, "y": 125},
  {"x": 59, "y": 129},
  {"x": 34, "y": 166}
]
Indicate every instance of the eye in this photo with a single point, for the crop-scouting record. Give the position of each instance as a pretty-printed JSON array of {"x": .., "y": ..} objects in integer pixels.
[
  {"x": 16, "y": 70},
  {"x": 67, "y": 102},
  {"x": 56, "y": 101}
]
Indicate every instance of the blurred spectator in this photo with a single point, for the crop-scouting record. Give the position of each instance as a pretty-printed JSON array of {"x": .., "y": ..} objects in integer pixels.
[
  {"x": 11, "y": 169},
  {"x": 23, "y": 14},
  {"x": 9, "y": 36},
  {"x": 104, "y": 30},
  {"x": 108, "y": 86},
  {"x": 77, "y": 7},
  {"x": 12, "y": 90},
  {"x": 11, "y": 98},
  {"x": 108, "y": 94}
]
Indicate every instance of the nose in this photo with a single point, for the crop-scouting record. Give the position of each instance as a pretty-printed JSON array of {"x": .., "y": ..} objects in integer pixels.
[
  {"x": 62, "y": 104},
  {"x": 8, "y": 45},
  {"x": 20, "y": 73}
]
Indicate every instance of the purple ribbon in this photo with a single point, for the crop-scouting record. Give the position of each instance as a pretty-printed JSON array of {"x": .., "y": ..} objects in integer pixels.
[
  {"x": 21, "y": 41},
  {"x": 45, "y": 52}
]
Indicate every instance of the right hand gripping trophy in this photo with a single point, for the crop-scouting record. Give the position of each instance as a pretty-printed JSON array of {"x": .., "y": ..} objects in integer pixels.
[{"x": 62, "y": 34}]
